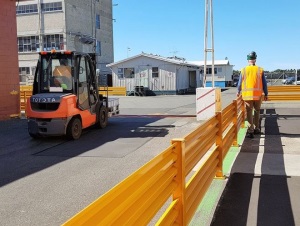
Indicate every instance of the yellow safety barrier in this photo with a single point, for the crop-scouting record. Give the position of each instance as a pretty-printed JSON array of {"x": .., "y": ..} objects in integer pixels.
[
  {"x": 284, "y": 93},
  {"x": 113, "y": 91},
  {"x": 25, "y": 88},
  {"x": 138, "y": 198},
  {"x": 25, "y": 92}
]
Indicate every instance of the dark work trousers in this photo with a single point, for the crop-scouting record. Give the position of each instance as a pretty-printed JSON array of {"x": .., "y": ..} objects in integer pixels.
[{"x": 253, "y": 120}]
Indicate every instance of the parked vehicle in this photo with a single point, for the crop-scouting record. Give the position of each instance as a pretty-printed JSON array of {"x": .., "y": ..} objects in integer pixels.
[
  {"x": 65, "y": 97},
  {"x": 291, "y": 80}
]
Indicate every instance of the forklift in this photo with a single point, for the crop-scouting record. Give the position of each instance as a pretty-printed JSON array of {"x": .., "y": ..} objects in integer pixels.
[{"x": 65, "y": 97}]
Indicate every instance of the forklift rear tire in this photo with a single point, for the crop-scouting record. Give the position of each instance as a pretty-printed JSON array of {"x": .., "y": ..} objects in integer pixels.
[
  {"x": 74, "y": 129},
  {"x": 103, "y": 117}
]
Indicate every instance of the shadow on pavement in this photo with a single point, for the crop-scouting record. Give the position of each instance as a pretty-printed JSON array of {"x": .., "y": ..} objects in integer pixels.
[
  {"x": 20, "y": 155},
  {"x": 260, "y": 194}
]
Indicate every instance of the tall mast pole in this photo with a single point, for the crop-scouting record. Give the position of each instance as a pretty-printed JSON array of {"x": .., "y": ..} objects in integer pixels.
[
  {"x": 40, "y": 33},
  {"x": 209, "y": 11}
]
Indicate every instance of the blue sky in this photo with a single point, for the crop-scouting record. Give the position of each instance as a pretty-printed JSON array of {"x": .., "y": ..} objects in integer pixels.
[{"x": 168, "y": 27}]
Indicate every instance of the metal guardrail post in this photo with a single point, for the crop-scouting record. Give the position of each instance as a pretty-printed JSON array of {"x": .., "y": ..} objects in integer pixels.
[
  {"x": 179, "y": 193},
  {"x": 235, "y": 120},
  {"x": 219, "y": 143},
  {"x": 243, "y": 108}
]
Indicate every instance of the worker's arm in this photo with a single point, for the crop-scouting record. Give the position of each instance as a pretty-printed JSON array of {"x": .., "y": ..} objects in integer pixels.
[
  {"x": 239, "y": 85},
  {"x": 265, "y": 86}
]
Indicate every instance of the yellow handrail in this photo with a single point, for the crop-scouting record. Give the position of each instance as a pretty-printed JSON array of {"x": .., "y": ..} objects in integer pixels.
[
  {"x": 138, "y": 198},
  {"x": 135, "y": 200},
  {"x": 113, "y": 91},
  {"x": 284, "y": 93}
]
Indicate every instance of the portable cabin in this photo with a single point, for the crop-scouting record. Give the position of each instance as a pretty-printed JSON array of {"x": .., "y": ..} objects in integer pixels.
[{"x": 156, "y": 74}]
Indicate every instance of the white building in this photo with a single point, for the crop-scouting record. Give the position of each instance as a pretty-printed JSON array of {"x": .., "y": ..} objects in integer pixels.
[
  {"x": 84, "y": 26},
  {"x": 163, "y": 75},
  {"x": 158, "y": 74},
  {"x": 223, "y": 75}
]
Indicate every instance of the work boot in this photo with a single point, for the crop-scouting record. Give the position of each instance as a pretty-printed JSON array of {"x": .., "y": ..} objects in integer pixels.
[{"x": 250, "y": 135}]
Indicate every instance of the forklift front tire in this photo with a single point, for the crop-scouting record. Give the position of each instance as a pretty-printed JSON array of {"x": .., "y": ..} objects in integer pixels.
[{"x": 74, "y": 129}]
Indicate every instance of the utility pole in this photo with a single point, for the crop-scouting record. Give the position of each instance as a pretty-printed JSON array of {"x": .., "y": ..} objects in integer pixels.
[{"x": 209, "y": 11}]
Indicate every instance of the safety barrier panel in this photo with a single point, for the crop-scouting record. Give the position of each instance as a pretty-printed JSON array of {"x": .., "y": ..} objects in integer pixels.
[
  {"x": 284, "y": 93},
  {"x": 113, "y": 91},
  {"x": 138, "y": 198},
  {"x": 25, "y": 93},
  {"x": 25, "y": 88}
]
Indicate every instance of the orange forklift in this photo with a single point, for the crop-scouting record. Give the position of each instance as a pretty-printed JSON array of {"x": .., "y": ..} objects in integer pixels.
[{"x": 65, "y": 98}]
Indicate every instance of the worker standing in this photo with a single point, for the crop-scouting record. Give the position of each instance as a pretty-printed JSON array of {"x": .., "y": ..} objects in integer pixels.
[{"x": 252, "y": 83}]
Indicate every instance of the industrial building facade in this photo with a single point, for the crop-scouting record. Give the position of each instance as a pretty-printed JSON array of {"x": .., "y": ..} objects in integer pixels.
[{"x": 43, "y": 25}]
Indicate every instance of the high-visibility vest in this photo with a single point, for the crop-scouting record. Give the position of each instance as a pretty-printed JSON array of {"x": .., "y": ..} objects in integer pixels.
[{"x": 252, "y": 86}]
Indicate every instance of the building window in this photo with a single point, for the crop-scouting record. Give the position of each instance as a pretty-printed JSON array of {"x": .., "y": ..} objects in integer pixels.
[
  {"x": 220, "y": 69},
  {"x": 129, "y": 72},
  {"x": 28, "y": 44},
  {"x": 98, "y": 21},
  {"x": 155, "y": 72},
  {"x": 53, "y": 42},
  {"x": 120, "y": 73},
  {"x": 26, "y": 9},
  {"x": 209, "y": 71},
  {"x": 98, "y": 48},
  {"x": 53, "y": 6},
  {"x": 24, "y": 70}
]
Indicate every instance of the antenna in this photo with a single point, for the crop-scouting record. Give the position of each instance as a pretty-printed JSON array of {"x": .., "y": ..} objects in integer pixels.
[{"x": 128, "y": 50}]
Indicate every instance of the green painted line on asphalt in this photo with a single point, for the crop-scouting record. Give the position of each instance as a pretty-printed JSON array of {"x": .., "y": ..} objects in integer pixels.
[{"x": 205, "y": 211}]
